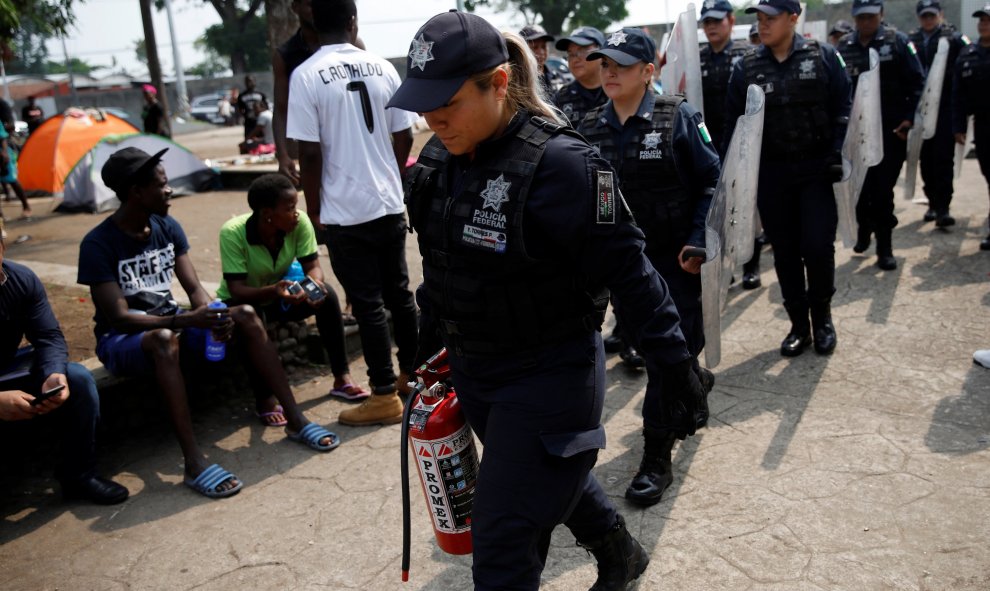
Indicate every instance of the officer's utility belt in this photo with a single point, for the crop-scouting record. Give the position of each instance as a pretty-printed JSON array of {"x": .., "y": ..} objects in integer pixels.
[{"x": 469, "y": 338}]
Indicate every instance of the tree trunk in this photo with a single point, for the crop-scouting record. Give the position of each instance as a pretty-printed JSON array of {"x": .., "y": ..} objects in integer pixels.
[
  {"x": 154, "y": 66},
  {"x": 282, "y": 22},
  {"x": 238, "y": 63}
]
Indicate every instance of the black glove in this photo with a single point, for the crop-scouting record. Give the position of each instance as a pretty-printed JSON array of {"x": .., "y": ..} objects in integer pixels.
[
  {"x": 833, "y": 167},
  {"x": 685, "y": 403}
]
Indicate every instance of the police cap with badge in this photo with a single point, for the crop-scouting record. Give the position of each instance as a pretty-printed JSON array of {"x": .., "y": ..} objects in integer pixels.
[
  {"x": 867, "y": 7},
  {"x": 447, "y": 50},
  {"x": 583, "y": 36},
  {"x": 715, "y": 9},
  {"x": 928, "y": 7},
  {"x": 775, "y": 7},
  {"x": 626, "y": 47},
  {"x": 985, "y": 11},
  {"x": 535, "y": 33}
]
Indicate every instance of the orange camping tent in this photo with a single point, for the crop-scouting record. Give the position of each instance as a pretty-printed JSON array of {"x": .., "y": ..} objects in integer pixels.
[{"x": 55, "y": 147}]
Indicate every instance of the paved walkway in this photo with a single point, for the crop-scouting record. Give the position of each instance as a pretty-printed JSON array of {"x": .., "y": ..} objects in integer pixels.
[{"x": 865, "y": 470}]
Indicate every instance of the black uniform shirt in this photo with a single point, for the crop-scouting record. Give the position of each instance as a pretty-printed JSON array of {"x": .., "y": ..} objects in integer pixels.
[
  {"x": 894, "y": 107},
  {"x": 839, "y": 100},
  {"x": 695, "y": 157},
  {"x": 573, "y": 94},
  {"x": 24, "y": 311},
  {"x": 927, "y": 47},
  {"x": 561, "y": 223},
  {"x": 970, "y": 86}
]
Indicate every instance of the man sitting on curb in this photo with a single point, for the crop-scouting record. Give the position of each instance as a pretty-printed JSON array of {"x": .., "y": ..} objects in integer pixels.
[
  {"x": 128, "y": 262},
  {"x": 26, "y": 373}
]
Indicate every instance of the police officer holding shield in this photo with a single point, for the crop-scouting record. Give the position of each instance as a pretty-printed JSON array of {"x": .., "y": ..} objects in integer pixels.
[
  {"x": 936, "y": 153},
  {"x": 585, "y": 93},
  {"x": 717, "y": 59},
  {"x": 971, "y": 87},
  {"x": 808, "y": 99},
  {"x": 901, "y": 83},
  {"x": 523, "y": 232},
  {"x": 668, "y": 169}
]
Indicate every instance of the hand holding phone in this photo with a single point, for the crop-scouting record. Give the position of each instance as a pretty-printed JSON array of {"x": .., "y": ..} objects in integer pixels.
[
  {"x": 47, "y": 394},
  {"x": 313, "y": 290}
]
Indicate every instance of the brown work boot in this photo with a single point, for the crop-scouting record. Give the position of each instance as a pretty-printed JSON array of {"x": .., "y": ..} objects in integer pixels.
[{"x": 377, "y": 409}]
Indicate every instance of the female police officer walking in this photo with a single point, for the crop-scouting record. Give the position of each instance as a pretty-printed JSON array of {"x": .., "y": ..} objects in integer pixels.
[
  {"x": 807, "y": 111},
  {"x": 667, "y": 171},
  {"x": 522, "y": 230}
]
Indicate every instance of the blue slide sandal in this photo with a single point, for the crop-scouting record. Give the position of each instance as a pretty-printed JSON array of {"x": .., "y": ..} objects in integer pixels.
[
  {"x": 311, "y": 435},
  {"x": 208, "y": 480}
]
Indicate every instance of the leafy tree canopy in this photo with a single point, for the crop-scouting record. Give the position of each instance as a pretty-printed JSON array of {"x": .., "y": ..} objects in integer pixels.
[
  {"x": 253, "y": 42},
  {"x": 555, "y": 14},
  {"x": 49, "y": 16}
]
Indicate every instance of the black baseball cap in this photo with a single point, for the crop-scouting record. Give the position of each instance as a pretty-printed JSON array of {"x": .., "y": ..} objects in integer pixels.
[
  {"x": 775, "y": 7},
  {"x": 841, "y": 27},
  {"x": 754, "y": 31},
  {"x": 535, "y": 33},
  {"x": 446, "y": 51},
  {"x": 985, "y": 11},
  {"x": 867, "y": 7},
  {"x": 626, "y": 47},
  {"x": 928, "y": 7},
  {"x": 584, "y": 37},
  {"x": 124, "y": 165},
  {"x": 716, "y": 9}
]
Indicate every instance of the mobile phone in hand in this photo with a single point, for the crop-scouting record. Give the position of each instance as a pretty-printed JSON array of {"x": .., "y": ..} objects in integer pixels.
[
  {"x": 313, "y": 291},
  {"x": 47, "y": 394}
]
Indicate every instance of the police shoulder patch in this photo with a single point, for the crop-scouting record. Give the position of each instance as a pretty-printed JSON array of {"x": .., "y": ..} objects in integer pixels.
[
  {"x": 703, "y": 129},
  {"x": 910, "y": 46},
  {"x": 842, "y": 62},
  {"x": 965, "y": 40},
  {"x": 605, "y": 211}
]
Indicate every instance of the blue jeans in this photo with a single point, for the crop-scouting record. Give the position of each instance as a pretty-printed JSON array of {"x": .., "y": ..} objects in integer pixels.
[{"x": 76, "y": 419}]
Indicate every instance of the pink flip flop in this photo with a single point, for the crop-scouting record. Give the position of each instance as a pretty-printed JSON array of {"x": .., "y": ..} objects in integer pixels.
[
  {"x": 350, "y": 392},
  {"x": 266, "y": 420}
]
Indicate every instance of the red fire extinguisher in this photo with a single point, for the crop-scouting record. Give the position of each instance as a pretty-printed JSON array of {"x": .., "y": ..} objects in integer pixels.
[{"x": 443, "y": 444}]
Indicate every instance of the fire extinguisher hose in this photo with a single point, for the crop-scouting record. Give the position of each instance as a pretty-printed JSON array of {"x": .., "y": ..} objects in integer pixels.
[{"x": 404, "y": 475}]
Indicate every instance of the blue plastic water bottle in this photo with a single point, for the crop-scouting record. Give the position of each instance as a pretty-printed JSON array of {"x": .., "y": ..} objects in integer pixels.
[{"x": 215, "y": 350}]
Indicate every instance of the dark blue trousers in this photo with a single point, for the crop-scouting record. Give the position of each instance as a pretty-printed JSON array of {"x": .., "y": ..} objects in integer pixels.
[
  {"x": 937, "y": 155},
  {"x": 875, "y": 208},
  {"x": 76, "y": 419},
  {"x": 799, "y": 216},
  {"x": 539, "y": 418}
]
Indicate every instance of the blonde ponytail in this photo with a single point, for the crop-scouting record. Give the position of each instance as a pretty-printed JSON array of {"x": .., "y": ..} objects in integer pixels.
[{"x": 525, "y": 92}]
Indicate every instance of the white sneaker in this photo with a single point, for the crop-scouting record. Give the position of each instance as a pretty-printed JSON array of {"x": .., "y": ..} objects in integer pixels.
[{"x": 982, "y": 357}]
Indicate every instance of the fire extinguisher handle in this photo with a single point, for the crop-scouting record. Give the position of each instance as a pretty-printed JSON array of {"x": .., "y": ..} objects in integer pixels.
[{"x": 404, "y": 470}]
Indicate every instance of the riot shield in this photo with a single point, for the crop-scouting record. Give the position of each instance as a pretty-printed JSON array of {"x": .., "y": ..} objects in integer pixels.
[
  {"x": 862, "y": 148},
  {"x": 681, "y": 70},
  {"x": 925, "y": 117},
  {"x": 963, "y": 149},
  {"x": 731, "y": 227}
]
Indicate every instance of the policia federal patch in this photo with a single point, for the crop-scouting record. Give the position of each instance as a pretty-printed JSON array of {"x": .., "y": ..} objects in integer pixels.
[{"x": 606, "y": 198}]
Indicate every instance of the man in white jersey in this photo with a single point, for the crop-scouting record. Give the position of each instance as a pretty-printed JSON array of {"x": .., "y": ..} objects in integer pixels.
[{"x": 352, "y": 152}]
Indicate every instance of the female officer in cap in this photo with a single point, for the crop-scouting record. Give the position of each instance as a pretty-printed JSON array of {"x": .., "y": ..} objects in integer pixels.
[
  {"x": 522, "y": 232},
  {"x": 971, "y": 95},
  {"x": 807, "y": 111},
  {"x": 668, "y": 169}
]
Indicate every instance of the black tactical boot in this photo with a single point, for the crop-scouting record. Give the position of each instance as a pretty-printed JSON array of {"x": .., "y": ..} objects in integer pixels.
[
  {"x": 929, "y": 215},
  {"x": 751, "y": 269},
  {"x": 985, "y": 243},
  {"x": 800, "y": 336},
  {"x": 885, "y": 252},
  {"x": 821, "y": 323},
  {"x": 613, "y": 343},
  {"x": 655, "y": 470},
  {"x": 620, "y": 558},
  {"x": 631, "y": 357},
  {"x": 862, "y": 240}
]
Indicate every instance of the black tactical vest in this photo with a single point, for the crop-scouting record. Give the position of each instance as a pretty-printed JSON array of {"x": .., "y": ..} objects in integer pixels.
[
  {"x": 926, "y": 53},
  {"x": 857, "y": 60},
  {"x": 974, "y": 79},
  {"x": 796, "y": 125},
  {"x": 715, "y": 85},
  {"x": 660, "y": 203},
  {"x": 489, "y": 296},
  {"x": 575, "y": 101}
]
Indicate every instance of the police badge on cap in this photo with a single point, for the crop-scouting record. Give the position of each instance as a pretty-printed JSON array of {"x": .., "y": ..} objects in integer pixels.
[{"x": 928, "y": 7}]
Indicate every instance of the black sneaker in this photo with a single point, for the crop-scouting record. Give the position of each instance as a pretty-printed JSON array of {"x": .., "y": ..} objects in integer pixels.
[{"x": 95, "y": 489}]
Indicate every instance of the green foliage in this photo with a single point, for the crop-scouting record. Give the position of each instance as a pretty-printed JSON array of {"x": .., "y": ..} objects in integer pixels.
[
  {"x": 223, "y": 40},
  {"x": 214, "y": 65},
  {"x": 48, "y": 16},
  {"x": 555, "y": 14},
  {"x": 141, "y": 51},
  {"x": 78, "y": 67},
  {"x": 30, "y": 51}
]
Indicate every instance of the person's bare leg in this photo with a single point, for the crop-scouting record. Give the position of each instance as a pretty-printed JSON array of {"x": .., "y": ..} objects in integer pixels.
[
  {"x": 264, "y": 358},
  {"x": 163, "y": 347},
  {"x": 19, "y": 191}
]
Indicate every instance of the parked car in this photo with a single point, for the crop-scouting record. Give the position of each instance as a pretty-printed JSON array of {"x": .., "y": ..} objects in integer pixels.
[
  {"x": 559, "y": 65},
  {"x": 118, "y": 112},
  {"x": 205, "y": 107}
]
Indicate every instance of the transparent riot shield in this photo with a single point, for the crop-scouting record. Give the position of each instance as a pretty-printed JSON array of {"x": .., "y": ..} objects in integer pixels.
[
  {"x": 926, "y": 117},
  {"x": 862, "y": 148},
  {"x": 962, "y": 150},
  {"x": 731, "y": 225},
  {"x": 681, "y": 70}
]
